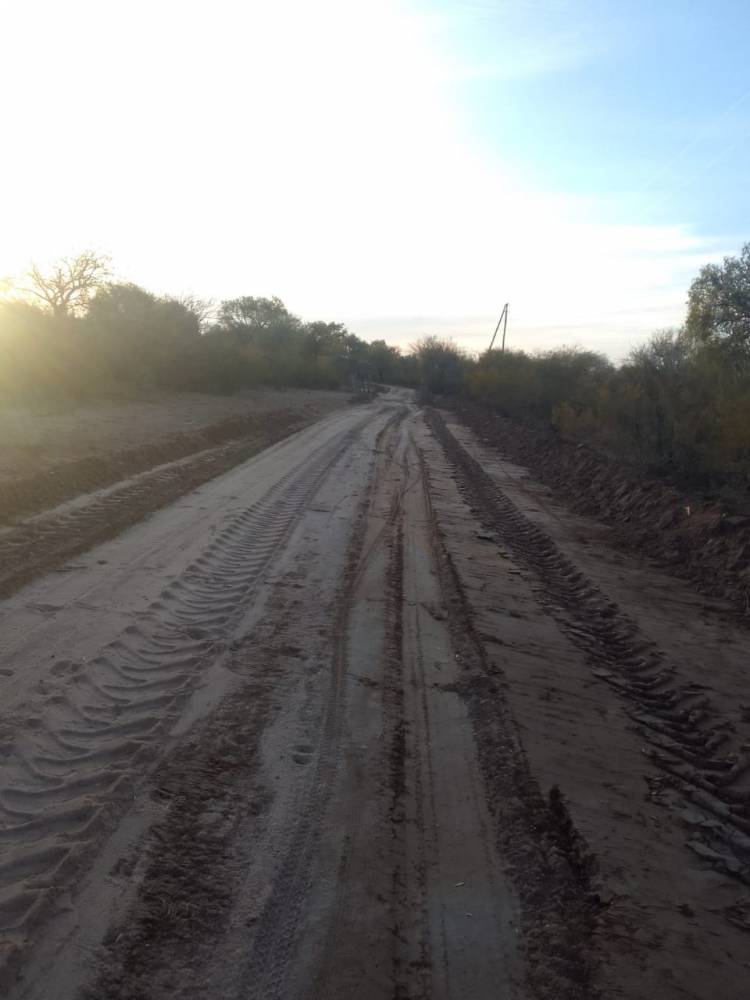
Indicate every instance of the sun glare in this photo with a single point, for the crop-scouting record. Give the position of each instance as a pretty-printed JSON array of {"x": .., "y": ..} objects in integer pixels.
[{"x": 331, "y": 163}]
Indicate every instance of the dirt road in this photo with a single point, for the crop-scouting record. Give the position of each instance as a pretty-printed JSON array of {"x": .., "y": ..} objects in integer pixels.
[{"x": 370, "y": 716}]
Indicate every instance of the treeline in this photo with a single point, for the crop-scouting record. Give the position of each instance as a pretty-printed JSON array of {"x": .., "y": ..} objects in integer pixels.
[
  {"x": 678, "y": 406},
  {"x": 74, "y": 333}
]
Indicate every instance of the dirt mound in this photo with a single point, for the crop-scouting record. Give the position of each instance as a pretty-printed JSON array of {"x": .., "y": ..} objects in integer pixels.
[
  {"x": 70, "y": 477},
  {"x": 32, "y": 546},
  {"x": 694, "y": 539}
]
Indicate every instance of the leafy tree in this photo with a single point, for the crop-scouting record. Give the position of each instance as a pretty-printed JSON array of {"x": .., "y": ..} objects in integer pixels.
[
  {"x": 121, "y": 304},
  {"x": 265, "y": 323},
  {"x": 653, "y": 379},
  {"x": 719, "y": 306},
  {"x": 408, "y": 373},
  {"x": 385, "y": 361},
  {"x": 322, "y": 338},
  {"x": 256, "y": 313},
  {"x": 129, "y": 310},
  {"x": 441, "y": 364},
  {"x": 665, "y": 354},
  {"x": 572, "y": 374},
  {"x": 143, "y": 334},
  {"x": 38, "y": 362}
]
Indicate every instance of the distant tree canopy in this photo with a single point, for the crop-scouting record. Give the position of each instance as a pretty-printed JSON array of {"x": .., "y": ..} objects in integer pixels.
[
  {"x": 679, "y": 404},
  {"x": 75, "y": 332}
]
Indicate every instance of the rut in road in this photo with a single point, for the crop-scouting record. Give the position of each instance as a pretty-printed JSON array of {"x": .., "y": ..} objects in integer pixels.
[
  {"x": 388, "y": 883},
  {"x": 62, "y": 786},
  {"x": 274, "y": 940},
  {"x": 445, "y": 827},
  {"x": 401, "y": 847},
  {"x": 706, "y": 781}
]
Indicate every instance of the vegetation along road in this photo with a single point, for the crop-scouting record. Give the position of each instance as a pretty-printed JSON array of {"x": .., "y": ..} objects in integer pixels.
[{"x": 367, "y": 714}]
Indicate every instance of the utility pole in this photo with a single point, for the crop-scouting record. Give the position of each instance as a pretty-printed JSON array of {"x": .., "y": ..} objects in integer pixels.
[{"x": 504, "y": 320}]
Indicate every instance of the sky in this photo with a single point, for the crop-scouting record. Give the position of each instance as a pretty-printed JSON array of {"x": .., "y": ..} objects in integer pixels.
[{"x": 403, "y": 166}]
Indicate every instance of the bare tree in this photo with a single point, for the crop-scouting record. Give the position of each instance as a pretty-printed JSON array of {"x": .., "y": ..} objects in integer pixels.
[
  {"x": 204, "y": 310},
  {"x": 68, "y": 287}
]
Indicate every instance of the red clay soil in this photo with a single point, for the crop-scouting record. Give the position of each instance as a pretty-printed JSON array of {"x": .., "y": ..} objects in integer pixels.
[{"x": 694, "y": 539}]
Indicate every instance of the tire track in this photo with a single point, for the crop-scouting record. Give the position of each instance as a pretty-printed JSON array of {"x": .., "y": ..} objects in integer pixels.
[
  {"x": 398, "y": 926},
  {"x": 395, "y": 733},
  {"x": 547, "y": 860},
  {"x": 704, "y": 778},
  {"x": 273, "y": 946},
  {"x": 457, "y": 902},
  {"x": 407, "y": 745},
  {"x": 61, "y": 783}
]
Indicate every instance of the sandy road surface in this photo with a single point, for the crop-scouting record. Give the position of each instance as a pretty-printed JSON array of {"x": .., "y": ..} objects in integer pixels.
[{"x": 369, "y": 716}]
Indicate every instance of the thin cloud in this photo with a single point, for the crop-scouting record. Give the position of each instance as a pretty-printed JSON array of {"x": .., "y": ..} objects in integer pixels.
[{"x": 328, "y": 164}]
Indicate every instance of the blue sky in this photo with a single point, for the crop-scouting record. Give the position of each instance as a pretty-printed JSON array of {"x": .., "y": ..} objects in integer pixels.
[
  {"x": 631, "y": 114},
  {"x": 405, "y": 166},
  {"x": 646, "y": 105}
]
